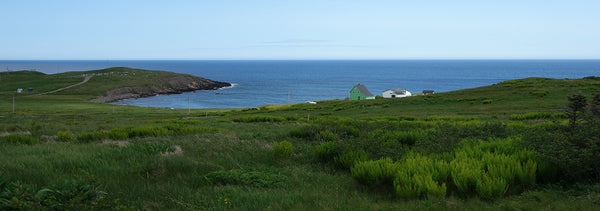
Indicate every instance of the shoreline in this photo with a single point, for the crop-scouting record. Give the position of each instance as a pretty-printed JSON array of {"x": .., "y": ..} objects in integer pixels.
[{"x": 173, "y": 85}]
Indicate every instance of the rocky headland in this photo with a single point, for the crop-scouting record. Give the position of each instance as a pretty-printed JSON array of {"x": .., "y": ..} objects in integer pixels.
[{"x": 169, "y": 85}]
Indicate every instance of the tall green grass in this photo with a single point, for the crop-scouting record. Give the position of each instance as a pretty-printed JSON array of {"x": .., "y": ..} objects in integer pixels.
[
  {"x": 143, "y": 131},
  {"x": 446, "y": 151},
  {"x": 20, "y": 139}
]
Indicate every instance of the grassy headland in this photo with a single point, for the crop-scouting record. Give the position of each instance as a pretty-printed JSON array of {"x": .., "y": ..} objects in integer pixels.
[{"x": 438, "y": 151}]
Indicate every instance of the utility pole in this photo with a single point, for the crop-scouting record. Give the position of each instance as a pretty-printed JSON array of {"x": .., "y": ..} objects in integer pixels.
[
  {"x": 188, "y": 104},
  {"x": 13, "y": 103}
]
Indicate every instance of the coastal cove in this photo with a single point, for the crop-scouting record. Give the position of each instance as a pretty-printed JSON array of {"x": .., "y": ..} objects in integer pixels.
[{"x": 258, "y": 83}]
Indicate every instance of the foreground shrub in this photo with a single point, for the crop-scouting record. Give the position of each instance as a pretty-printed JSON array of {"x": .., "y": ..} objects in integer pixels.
[
  {"x": 410, "y": 137},
  {"x": 375, "y": 173},
  {"x": 349, "y": 158},
  {"x": 327, "y": 151},
  {"x": 445, "y": 137},
  {"x": 65, "y": 136},
  {"x": 400, "y": 137},
  {"x": 527, "y": 175},
  {"x": 91, "y": 136},
  {"x": 491, "y": 168},
  {"x": 417, "y": 185},
  {"x": 421, "y": 176},
  {"x": 572, "y": 149},
  {"x": 465, "y": 173},
  {"x": 419, "y": 164},
  {"x": 283, "y": 149},
  {"x": 573, "y": 162},
  {"x": 71, "y": 195},
  {"x": 326, "y": 135},
  {"x": 305, "y": 132},
  {"x": 490, "y": 187}
]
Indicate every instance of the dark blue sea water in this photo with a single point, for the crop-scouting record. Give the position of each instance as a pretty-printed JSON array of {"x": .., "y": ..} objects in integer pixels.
[{"x": 276, "y": 82}]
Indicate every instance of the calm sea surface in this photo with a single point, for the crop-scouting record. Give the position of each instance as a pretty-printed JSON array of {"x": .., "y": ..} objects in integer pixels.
[{"x": 276, "y": 82}]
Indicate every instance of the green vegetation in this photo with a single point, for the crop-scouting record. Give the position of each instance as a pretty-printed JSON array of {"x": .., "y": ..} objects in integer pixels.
[
  {"x": 283, "y": 149},
  {"x": 519, "y": 144}
]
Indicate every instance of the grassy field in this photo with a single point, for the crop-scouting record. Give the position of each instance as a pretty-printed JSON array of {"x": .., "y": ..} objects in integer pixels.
[{"x": 61, "y": 150}]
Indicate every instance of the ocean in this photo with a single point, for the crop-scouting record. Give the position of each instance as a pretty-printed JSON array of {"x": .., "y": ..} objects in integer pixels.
[{"x": 264, "y": 82}]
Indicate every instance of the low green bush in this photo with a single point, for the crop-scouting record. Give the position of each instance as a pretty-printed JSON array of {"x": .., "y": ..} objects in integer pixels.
[
  {"x": 349, "y": 158},
  {"x": 65, "y": 136},
  {"x": 375, "y": 173},
  {"x": 418, "y": 164},
  {"x": 91, "y": 136},
  {"x": 527, "y": 175},
  {"x": 305, "y": 132},
  {"x": 327, "y": 151},
  {"x": 283, "y": 149},
  {"x": 465, "y": 173},
  {"x": 421, "y": 176},
  {"x": 410, "y": 137},
  {"x": 490, "y": 168},
  {"x": 417, "y": 185},
  {"x": 70, "y": 195},
  {"x": 490, "y": 187},
  {"x": 569, "y": 153},
  {"x": 501, "y": 166},
  {"x": 326, "y": 135}
]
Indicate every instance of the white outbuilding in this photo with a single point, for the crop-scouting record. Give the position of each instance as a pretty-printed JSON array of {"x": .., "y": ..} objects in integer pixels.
[{"x": 394, "y": 93}]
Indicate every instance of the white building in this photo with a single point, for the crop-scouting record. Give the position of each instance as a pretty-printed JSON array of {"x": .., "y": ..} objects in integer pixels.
[{"x": 394, "y": 93}]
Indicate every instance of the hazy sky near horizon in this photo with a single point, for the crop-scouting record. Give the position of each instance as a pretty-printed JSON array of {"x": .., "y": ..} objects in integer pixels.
[{"x": 308, "y": 29}]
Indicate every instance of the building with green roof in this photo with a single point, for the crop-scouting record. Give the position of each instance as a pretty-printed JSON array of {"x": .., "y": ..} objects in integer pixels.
[{"x": 360, "y": 92}]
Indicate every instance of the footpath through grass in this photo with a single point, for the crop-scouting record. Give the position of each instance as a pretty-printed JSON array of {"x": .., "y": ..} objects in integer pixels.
[{"x": 468, "y": 149}]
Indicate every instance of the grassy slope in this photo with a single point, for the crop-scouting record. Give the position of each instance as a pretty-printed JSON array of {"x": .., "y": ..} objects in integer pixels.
[{"x": 152, "y": 181}]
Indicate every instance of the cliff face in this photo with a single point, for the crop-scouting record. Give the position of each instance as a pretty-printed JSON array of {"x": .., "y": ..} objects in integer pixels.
[{"x": 173, "y": 85}]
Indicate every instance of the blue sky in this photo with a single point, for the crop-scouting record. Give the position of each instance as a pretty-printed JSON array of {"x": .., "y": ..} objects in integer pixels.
[{"x": 308, "y": 29}]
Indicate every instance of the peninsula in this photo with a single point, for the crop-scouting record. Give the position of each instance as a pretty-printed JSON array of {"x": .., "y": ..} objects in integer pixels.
[
  {"x": 110, "y": 84},
  {"x": 175, "y": 84}
]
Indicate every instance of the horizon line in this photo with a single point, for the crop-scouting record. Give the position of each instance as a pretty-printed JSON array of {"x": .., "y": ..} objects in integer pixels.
[{"x": 366, "y": 59}]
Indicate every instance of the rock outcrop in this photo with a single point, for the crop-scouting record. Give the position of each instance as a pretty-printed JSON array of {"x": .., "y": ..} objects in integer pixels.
[{"x": 172, "y": 85}]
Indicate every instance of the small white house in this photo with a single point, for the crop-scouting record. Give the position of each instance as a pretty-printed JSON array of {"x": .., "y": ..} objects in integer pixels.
[{"x": 394, "y": 93}]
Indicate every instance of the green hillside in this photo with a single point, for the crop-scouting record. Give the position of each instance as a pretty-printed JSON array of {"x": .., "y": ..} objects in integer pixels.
[
  {"x": 100, "y": 81},
  {"x": 509, "y": 145}
]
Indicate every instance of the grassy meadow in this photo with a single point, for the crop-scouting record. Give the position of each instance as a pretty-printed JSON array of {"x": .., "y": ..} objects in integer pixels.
[{"x": 517, "y": 145}]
